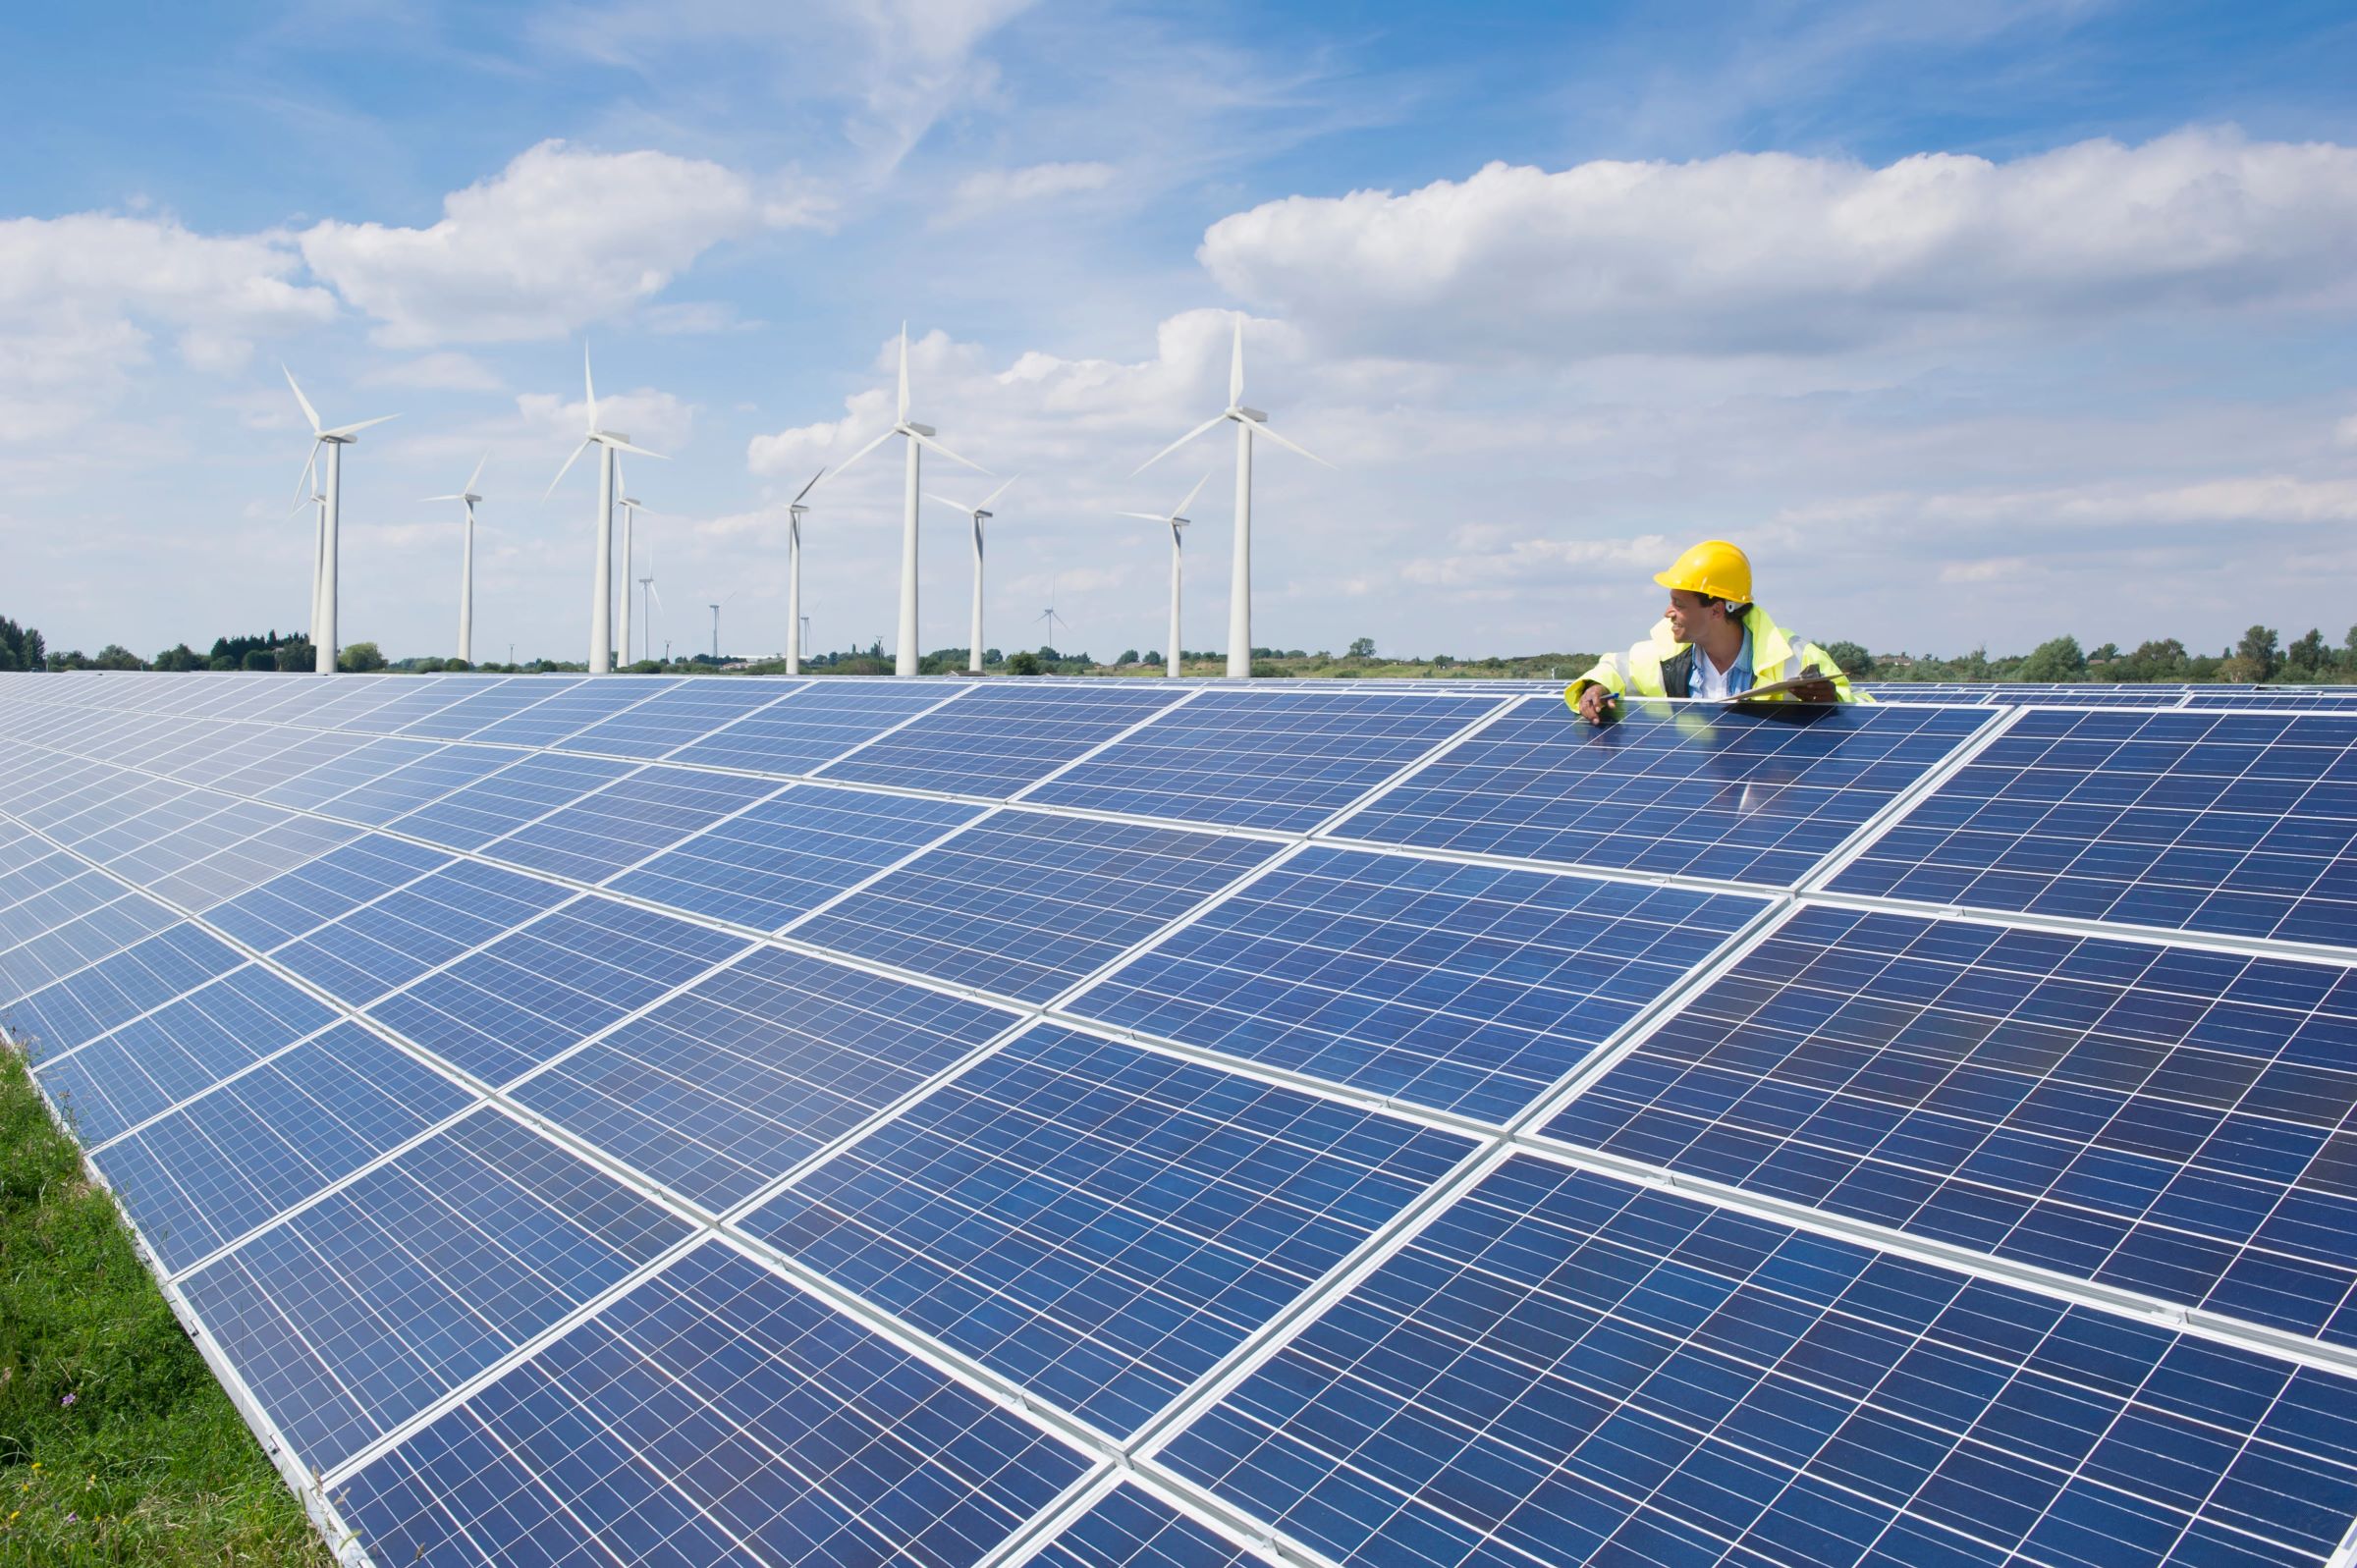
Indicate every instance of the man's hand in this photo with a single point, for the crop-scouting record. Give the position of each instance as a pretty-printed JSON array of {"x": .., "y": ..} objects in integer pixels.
[
  {"x": 1596, "y": 702},
  {"x": 1820, "y": 689}
]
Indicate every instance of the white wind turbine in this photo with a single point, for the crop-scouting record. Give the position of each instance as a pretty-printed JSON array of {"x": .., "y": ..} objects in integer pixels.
[
  {"x": 1047, "y": 634},
  {"x": 630, "y": 506},
  {"x": 1247, "y": 422},
  {"x": 905, "y": 658},
  {"x": 318, "y": 502},
  {"x": 323, "y": 618},
  {"x": 1176, "y": 520},
  {"x": 794, "y": 575},
  {"x": 469, "y": 498},
  {"x": 654, "y": 600},
  {"x": 714, "y": 606},
  {"x": 973, "y": 657},
  {"x": 601, "y": 596}
]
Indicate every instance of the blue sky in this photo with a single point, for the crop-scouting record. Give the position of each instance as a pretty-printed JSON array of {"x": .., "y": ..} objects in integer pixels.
[{"x": 1975, "y": 323}]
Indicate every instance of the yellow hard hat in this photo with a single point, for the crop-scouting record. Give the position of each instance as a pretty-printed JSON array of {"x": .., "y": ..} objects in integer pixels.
[{"x": 1713, "y": 568}]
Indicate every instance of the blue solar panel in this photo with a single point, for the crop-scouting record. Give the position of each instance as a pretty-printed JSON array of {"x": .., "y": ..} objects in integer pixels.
[
  {"x": 2242, "y": 824},
  {"x": 182, "y": 1047},
  {"x": 1468, "y": 988},
  {"x": 1024, "y": 904},
  {"x": 993, "y": 742},
  {"x": 355, "y": 1314},
  {"x": 1100, "y": 1224},
  {"x": 486, "y": 708},
  {"x": 2167, "y": 1120},
  {"x": 784, "y": 856},
  {"x": 533, "y": 993},
  {"x": 810, "y": 727},
  {"x": 1741, "y": 797},
  {"x": 198, "y": 1179},
  {"x": 533, "y": 787},
  {"x": 1579, "y": 1370},
  {"x": 812, "y": 1441},
  {"x": 420, "y": 926},
  {"x": 419, "y": 700},
  {"x": 570, "y": 711},
  {"x": 627, "y": 820},
  {"x": 727, "y": 1085},
  {"x": 1131, "y": 1527},
  {"x": 378, "y": 800},
  {"x": 346, "y": 764},
  {"x": 300, "y": 900},
  {"x": 1284, "y": 760},
  {"x": 671, "y": 718},
  {"x": 129, "y": 977}
]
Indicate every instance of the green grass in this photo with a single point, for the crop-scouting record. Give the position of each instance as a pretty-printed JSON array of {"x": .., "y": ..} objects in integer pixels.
[{"x": 116, "y": 1443}]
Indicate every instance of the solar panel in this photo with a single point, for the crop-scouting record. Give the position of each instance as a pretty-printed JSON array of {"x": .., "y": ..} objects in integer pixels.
[
  {"x": 2240, "y": 823},
  {"x": 840, "y": 1120}
]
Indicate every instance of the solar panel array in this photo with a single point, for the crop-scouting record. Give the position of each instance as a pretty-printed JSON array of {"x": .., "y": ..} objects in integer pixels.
[{"x": 651, "y": 1121}]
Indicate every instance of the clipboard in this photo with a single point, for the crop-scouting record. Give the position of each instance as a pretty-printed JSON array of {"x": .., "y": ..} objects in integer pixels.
[{"x": 1778, "y": 689}]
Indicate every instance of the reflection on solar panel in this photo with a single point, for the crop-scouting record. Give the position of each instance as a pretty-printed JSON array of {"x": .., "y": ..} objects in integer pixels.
[
  {"x": 2198, "y": 822},
  {"x": 1150, "y": 1124}
]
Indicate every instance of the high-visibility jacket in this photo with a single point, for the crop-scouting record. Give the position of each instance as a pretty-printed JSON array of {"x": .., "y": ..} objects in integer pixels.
[{"x": 1662, "y": 667}]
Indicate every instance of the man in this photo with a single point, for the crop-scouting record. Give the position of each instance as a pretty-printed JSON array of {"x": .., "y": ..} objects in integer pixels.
[{"x": 1713, "y": 642}]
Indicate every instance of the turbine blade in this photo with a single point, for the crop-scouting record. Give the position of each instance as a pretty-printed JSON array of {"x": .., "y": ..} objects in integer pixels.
[
  {"x": 354, "y": 430},
  {"x": 1175, "y": 445},
  {"x": 928, "y": 440},
  {"x": 621, "y": 488},
  {"x": 995, "y": 494},
  {"x": 903, "y": 413},
  {"x": 478, "y": 471},
  {"x": 588, "y": 386},
  {"x": 310, "y": 460},
  {"x": 562, "y": 472},
  {"x": 1235, "y": 363},
  {"x": 624, "y": 446},
  {"x": 1264, "y": 430},
  {"x": 1143, "y": 517},
  {"x": 1179, "y": 510},
  {"x": 308, "y": 412},
  {"x": 812, "y": 485},
  {"x": 422, "y": 499},
  {"x": 954, "y": 505},
  {"x": 853, "y": 458}
]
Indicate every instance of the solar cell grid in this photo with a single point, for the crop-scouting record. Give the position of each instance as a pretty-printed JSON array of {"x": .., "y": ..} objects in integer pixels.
[
  {"x": 1024, "y": 904},
  {"x": 532, "y": 786},
  {"x": 1745, "y": 797},
  {"x": 1574, "y": 1368},
  {"x": 417, "y": 927},
  {"x": 815, "y": 1442},
  {"x": 1131, "y": 1527},
  {"x": 569, "y": 712},
  {"x": 1467, "y": 988},
  {"x": 784, "y": 856},
  {"x": 1284, "y": 761},
  {"x": 426, "y": 777},
  {"x": 1098, "y": 1223},
  {"x": 342, "y": 770},
  {"x": 989, "y": 741},
  {"x": 812, "y": 726},
  {"x": 684, "y": 713},
  {"x": 2235, "y": 824},
  {"x": 2177, "y": 1123},
  {"x": 486, "y": 707},
  {"x": 300, "y": 901},
  {"x": 627, "y": 820},
  {"x": 145, "y": 960}
]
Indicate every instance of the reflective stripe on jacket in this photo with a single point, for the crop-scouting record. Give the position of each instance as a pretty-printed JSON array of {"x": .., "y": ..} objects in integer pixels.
[{"x": 1662, "y": 667}]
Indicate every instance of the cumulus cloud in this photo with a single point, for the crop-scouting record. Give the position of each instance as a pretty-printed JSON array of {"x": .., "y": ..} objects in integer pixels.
[
  {"x": 560, "y": 237},
  {"x": 1775, "y": 252},
  {"x": 447, "y": 372}
]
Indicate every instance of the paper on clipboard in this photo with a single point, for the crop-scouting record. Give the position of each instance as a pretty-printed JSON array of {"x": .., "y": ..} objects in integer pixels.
[{"x": 1778, "y": 689}]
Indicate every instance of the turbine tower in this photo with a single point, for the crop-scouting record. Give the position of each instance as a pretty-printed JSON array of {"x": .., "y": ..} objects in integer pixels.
[
  {"x": 973, "y": 653},
  {"x": 1176, "y": 520},
  {"x": 318, "y": 502},
  {"x": 468, "y": 497},
  {"x": 794, "y": 575},
  {"x": 905, "y": 660},
  {"x": 1048, "y": 633},
  {"x": 654, "y": 600},
  {"x": 601, "y": 595},
  {"x": 1247, "y": 422},
  {"x": 629, "y": 504},
  {"x": 323, "y": 618}
]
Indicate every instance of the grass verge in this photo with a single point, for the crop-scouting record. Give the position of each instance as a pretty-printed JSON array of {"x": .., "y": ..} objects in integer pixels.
[{"x": 117, "y": 1446}]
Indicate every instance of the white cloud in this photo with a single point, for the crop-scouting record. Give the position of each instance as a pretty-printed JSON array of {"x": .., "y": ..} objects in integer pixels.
[
  {"x": 447, "y": 372},
  {"x": 1750, "y": 253},
  {"x": 991, "y": 190},
  {"x": 2346, "y": 433},
  {"x": 560, "y": 237}
]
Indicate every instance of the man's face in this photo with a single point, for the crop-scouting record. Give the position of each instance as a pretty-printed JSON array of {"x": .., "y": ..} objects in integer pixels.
[{"x": 1689, "y": 613}]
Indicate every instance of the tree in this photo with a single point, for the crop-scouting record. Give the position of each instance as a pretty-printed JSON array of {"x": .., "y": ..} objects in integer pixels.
[
  {"x": 2256, "y": 652},
  {"x": 1129, "y": 656},
  {"x": 296, "y": 655},
  {"x": 1022, "y": 661},
  {"x": 1362, "y": 648},
  {"x": 2056, "y": 660},
  {"x": 360, "y": 657},
  {"x": 21, "y": 647},
  {"x": 259, "y": 658},
  {"x": 2107, "y": 654},
  {"x": 114, "y": 656},
  {"x": 1853, "y": 659},
  {"x": 2308, "y": 657},
  {"x": 1153, "y": 656},
  {"x": 71, "y": 659},
  {"x": 2348, "y": 652}
]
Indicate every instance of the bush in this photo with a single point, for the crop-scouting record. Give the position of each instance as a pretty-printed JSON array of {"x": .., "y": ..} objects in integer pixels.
[
  {"x": 358, "y": 658},
  {"x": 114, "y": 656},
  {"x": 1023, "y": 662},
  {"x": 179, "y": 657},
  {"x": 2057, "y": 660}
]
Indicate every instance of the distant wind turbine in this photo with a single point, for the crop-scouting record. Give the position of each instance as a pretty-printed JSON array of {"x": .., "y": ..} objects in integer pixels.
[
  {"x": 714, "y": 605},
  {"x": 654, "y": 600},
  {"x": 1176, "y": 520},
  {"x": 974, "y": 655},
  {"x": 1247, "y": 422},
  {"x": 466, "y": 563},
  {"x": 318, "y": 502},
  {"x": 794, "y": 575},
  {"x": 1047, "y": 635},
  {"x": 323, "y": 623},
  {"x": 629, "y": 504},
  {"x": 905, "y": 658},
  {"x": 601, "y": 596}
]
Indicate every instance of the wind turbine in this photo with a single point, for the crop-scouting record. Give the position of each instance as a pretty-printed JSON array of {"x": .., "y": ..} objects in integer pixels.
[
  {"x": 629, "y": 504},
  {"x": 467, "y": 495},
  {"x": 323, "y": 622},
  {"x": 1177, "y": 521},
  {"x": 714, "y": 605},
  {"x": 654, "y": 600},
  {"x": 1050, "y": 616},
  {"x": 601, "y": 595},
  {"x": 318, "y": 502},
  {"x": 905, "y": 660},
  {"x": 973, "y": 653},
  {"x": 1247, "y": 422},
  {"x": 794, "y": 575}
]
